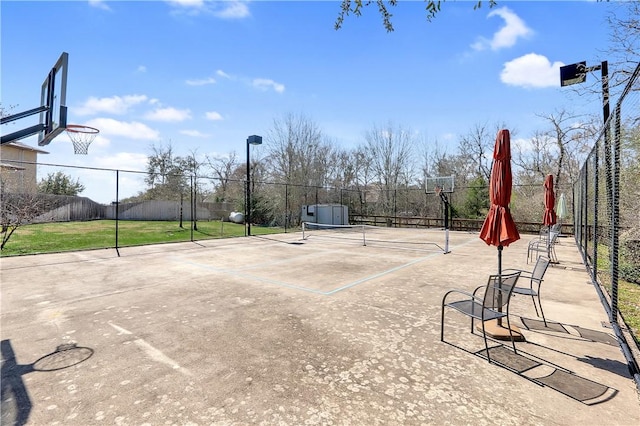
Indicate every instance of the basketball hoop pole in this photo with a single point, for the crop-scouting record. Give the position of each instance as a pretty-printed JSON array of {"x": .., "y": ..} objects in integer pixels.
[{"x": 445, "y": 202}]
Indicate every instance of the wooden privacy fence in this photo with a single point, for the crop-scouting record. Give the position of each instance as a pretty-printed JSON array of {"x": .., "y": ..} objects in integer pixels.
[
  {"x": 168, "y": 210},
  {"x": 66, "y": 208},
  {"x": 455, "y": 224}
]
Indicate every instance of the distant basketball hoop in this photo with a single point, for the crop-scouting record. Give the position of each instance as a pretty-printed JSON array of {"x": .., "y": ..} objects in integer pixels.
[
  {"x": 441, "y": 186},
  {"x": 81, "y": 136},
  {"x": 438, "y": 184}
]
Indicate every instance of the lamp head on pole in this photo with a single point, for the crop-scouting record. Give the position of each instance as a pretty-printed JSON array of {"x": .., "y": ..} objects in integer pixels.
[
  {"x": 254, "y": 140},
  {"x": 573, "y": 74}
]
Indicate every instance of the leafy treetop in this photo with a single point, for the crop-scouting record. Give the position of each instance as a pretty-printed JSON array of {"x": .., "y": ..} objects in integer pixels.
[{"x": 355, "y": 6}]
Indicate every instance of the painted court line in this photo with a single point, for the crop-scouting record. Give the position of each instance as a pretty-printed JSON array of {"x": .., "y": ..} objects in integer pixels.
[
  {"x": 237, "y": 274},
  {"x": 152, "y": 352},
  {"x": 397, "y": 268}
]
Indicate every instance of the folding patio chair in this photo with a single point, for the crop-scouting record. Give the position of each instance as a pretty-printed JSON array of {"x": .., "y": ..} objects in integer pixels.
[
  {"x": 535, "y": 281},
  {"x": 544, "y": 245},
  {"x": 493, "y": 305}
]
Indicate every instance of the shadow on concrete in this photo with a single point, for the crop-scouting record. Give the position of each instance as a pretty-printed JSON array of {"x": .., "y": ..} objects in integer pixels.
[
  {"x": 16, "y": 404},
  {"x": 575, "y": 332},
  {"x": 550, "y": 375},
  {"x": 583, "y": 333},
  {"x": 275, "y": 240},
  {"x": 545, "y": 373}
]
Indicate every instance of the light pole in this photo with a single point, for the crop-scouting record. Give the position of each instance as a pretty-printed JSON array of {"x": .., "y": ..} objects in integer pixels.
[
  {"x": 575, "y": 74},
  {"x": 251, "y": 140}
]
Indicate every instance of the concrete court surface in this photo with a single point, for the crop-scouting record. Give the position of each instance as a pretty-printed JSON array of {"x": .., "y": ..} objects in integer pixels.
[{"x": 280, "y": 331}]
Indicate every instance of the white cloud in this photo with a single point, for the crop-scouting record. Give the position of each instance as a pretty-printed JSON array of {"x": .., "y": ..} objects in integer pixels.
[
  {"x": 531, "y": 71},
  {"x": 201, "y": 82},
  {"x": 113, "y": 105},
  {"x": 223, "y": 74},
  {"x": 266, "y": 84},
  {"x": 100, "y": 4},
  {"x": 194, "y": 133},
  {"x": 141, "y": 68},
  {"x": 448, "y": 136},
  {"x": 506, "y": 36},
  {"x": 130, "y": 130},
  {"x": 122, "y": 161},
  {"x": 257, "y": 83},
  {"x": 186, "y": 3},
  {"x": 523, "y": 145},
  {"x": 101, "y": 141},
  {"x": 213, "y": 116},
  {"x": 168, "y": 114},
  {"x": 233, "y": 10}
]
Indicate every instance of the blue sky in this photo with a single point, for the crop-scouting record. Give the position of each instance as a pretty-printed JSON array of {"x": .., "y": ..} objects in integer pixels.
[{"x": 205, "y": 75}]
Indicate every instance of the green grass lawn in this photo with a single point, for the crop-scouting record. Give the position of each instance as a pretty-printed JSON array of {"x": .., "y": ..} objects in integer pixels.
[
  {"x": 72, "y": 236},
  {"x": 628, "y": 293}
]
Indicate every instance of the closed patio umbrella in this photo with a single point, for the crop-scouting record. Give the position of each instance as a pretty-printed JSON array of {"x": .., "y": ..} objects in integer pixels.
[
  {"x": 498, "y": 228},
  {"x": 562, "y": 207},
  {"x": 549, "y": 216}
]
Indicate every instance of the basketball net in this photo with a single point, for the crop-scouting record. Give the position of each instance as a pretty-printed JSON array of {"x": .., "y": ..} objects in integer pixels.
[{"x": 81, "y": 137}]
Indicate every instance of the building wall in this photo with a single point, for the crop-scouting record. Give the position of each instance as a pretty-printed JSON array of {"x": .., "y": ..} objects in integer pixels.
[
  {"x": 330, "y": 214},
  {"x": 25, "y": 178}
]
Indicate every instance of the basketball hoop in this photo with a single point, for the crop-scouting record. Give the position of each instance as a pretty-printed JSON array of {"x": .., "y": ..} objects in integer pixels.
[
  {"x": 81, "y": 136},
  {"x": 438, "y": 190}
]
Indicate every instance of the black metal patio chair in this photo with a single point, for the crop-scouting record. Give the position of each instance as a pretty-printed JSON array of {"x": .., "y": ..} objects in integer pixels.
[
  {"x": 493, "y": 305},
  {"x": 535, "y": 278}
]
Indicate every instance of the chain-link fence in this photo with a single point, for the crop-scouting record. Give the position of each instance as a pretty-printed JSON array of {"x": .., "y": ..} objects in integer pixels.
[
  {"x": 143, "y": 208},
  {"x": 607, "y": 224}
]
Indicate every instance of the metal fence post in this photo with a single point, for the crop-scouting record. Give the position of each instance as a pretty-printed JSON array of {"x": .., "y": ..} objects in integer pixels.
[
  {"x": 596, "y": 231},
  {"x": 117, "y": 208},
  {"x": 615, "y": 219}
]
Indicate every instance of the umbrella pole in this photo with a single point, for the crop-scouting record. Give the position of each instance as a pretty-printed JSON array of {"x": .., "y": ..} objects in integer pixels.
[
  {"x": 500, "y": 283},
  {"x": 495, "y": 328}
]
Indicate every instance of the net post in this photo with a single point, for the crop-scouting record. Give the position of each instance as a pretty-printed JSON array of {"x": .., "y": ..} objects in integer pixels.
[
  {"x": 364, "y": 238},
  {"x": 303, "y": 227},
  {"x": 446, "y": 241}
]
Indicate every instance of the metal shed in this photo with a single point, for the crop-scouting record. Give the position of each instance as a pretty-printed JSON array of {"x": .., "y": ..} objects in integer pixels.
[{"x": 330, "y": 214}]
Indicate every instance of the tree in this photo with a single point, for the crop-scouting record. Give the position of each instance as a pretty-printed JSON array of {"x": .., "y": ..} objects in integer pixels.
[
  {"x": 301, "y": 157},
  {"x": 167, "y": 174},
  {"x": 556, "y": 150},
  {"x": 476, "y": 149},
  {"x": 223, "y": 167},
  {"x": 18, "y": 209},
  {"x": 355, "y": 6},
  {"x": 298, "y": 150},
  {"x": 624, "y": 38},
  {"x": 361, "y": 175},
  {"x": 476, "y": 203},
  {"x": 59, "y": 183},
  {"x": 391, "y": 155}
]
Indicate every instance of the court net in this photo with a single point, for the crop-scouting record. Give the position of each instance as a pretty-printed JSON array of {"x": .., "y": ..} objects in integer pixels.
[{"x": 401, "y": 238}]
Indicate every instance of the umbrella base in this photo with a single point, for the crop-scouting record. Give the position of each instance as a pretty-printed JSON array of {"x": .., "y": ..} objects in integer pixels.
[{"x": 501, "y": 332}]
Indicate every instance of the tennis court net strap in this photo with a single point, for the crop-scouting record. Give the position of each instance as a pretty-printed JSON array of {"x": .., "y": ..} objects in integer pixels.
[
  {"x": 407, "y": 238},
  {"x": 352, "y": 232}
]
